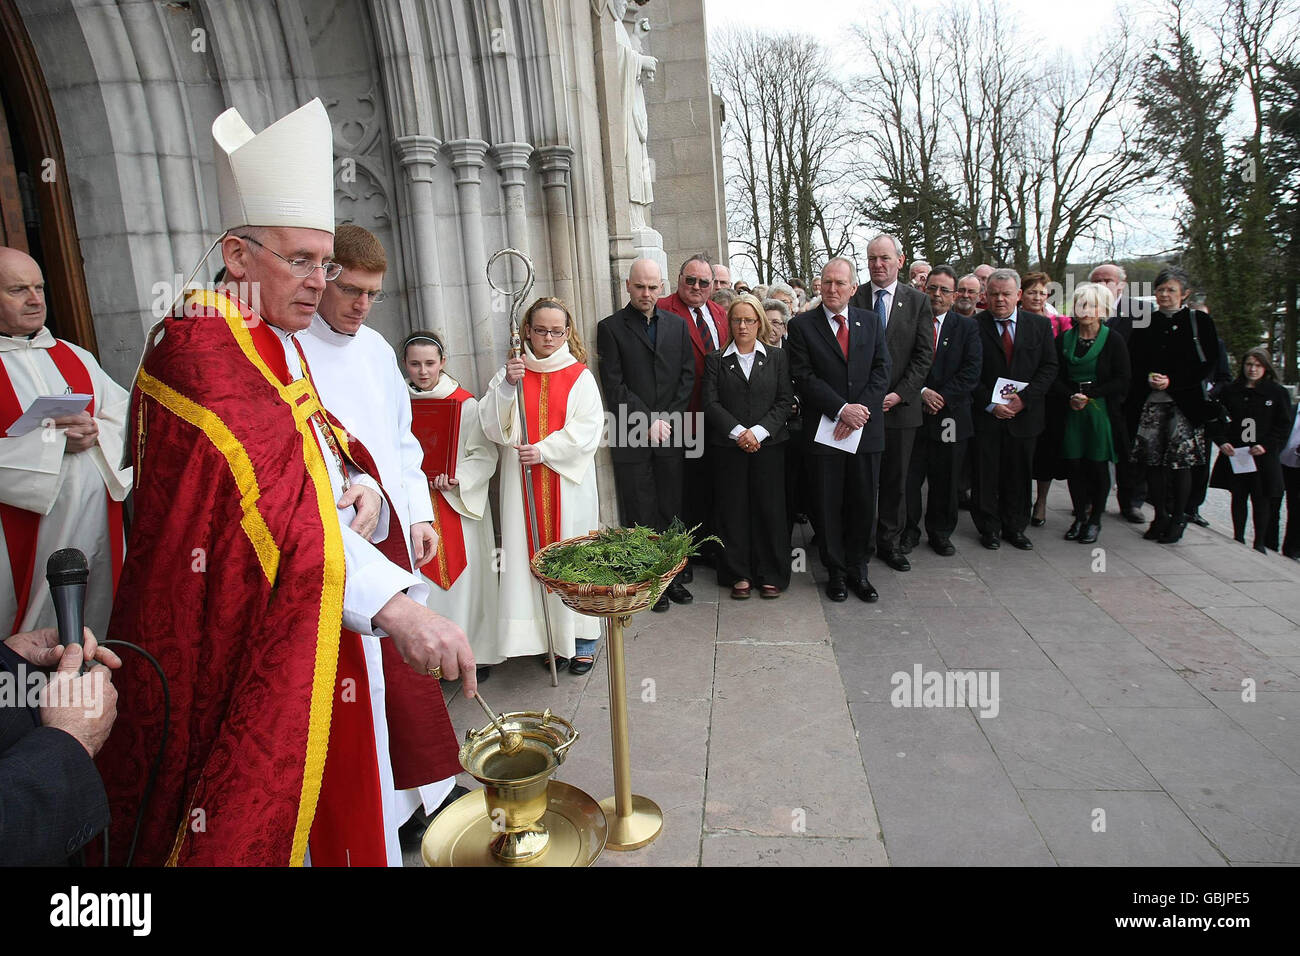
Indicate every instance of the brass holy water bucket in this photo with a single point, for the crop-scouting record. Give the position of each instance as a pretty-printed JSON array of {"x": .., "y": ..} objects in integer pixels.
[{"x": 516, "y": 784}]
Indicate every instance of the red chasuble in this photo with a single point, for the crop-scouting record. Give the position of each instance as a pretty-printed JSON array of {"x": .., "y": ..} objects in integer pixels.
[
  {"x": 22, "y": 527},
  {"x": 546, "y": 403},
  {"x": 234, "y": 581}
]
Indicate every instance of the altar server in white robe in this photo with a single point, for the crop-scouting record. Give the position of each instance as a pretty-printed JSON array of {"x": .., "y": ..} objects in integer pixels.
[
  {"x": 357, "y": 375},
  {"x": 60, "y": 484},
  {"x": 565, "y": 422},
  {"x": 462, "y": 576}
]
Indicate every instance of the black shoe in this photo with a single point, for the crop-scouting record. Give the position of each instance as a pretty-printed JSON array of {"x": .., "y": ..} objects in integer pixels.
[
  {"x": 908, "y": 540},
  {"x": 1089, "y": 533},
  {"x": 1134, "y": 516},
  {"x": 482, "y": 672},
  {"x": 1174, "y": 533},
  {"x": 1261, "y": 549},
  {"x": 836, "y": 591},
  {"x": 578, "y": 666},
  {"x": 678, "y": 594},
  {"x": 687, "y": 575},
  {"x": 1195, "y": 518},
  {"x": 990, "y": 541},
  {"x": 1017, "y": 539},
  {"x": 1072, "y": 533},
  {"x": 662, "y": 604},
  {"x": 943, "y": 547},
  {"x": 897, "y": 560},
  {"x": 863, "y": 589},
  {"x": 1157, "y": 530},
  {"x": 560, "y": 663},
  {"x": 410, "y": 833}
]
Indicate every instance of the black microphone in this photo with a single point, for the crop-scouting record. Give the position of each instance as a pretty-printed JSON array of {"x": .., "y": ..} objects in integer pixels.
[{"x": 66, "y": 573}]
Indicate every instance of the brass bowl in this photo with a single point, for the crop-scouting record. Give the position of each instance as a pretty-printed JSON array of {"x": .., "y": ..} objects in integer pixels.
[{"x": 516, "y": 785}]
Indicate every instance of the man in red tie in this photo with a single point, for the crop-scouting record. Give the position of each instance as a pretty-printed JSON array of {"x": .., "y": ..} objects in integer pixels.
[
  {"x": 840, "y": 364},
  {"x": 1018, "y": 346},
  {"x": 707, "y": 323}
]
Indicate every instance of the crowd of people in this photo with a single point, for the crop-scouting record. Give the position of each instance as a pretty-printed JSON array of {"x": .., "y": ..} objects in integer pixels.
[{"x": 305, "y": 577}]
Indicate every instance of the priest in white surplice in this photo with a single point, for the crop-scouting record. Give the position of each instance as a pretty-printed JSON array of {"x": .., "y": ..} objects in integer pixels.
[
  {"x": 565, "y": 422},
  {"x": 60, "y": 485},
  {"x": 463, "y": 577},
  {"x": 356, "y": 374}
]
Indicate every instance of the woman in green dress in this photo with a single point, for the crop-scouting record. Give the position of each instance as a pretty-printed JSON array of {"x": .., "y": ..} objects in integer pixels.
[{"x": 1092, "y": 378}]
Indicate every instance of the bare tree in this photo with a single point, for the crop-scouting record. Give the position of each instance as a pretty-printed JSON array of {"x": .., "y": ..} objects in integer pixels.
[
  {"x": 904, "y": 140},
  {"x": 784, "y": 149}
]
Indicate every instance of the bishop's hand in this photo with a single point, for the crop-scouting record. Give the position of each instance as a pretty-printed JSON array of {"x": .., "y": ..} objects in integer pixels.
[
  {"x": 368, "y": 504},
  {"x": 429, "y": 642}
]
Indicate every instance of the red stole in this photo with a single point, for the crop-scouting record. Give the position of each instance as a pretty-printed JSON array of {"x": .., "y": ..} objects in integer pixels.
[
  {"x": 546, "y": 405},
  {"x": 451, "y": 559},
  {"x": 22, "y": 527}
]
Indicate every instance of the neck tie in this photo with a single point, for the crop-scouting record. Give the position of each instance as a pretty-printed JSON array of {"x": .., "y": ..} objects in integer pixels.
[
  {"x": 936, "y": 333},
  {"x": 842, "y": 335},
  {"x": 1007, "y": 344},
  {"x": 881, "y": 310},
  {"x": 705, "y": 335}
]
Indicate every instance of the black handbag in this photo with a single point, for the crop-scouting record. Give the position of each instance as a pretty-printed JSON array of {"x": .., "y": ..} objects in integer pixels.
[{"x": 1210, "y": 412}]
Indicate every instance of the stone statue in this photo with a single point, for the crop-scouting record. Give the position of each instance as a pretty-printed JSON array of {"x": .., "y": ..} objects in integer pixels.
[{"x": 635, "y": 69}]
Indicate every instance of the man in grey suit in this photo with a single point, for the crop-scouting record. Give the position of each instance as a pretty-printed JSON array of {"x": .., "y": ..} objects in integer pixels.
[
  {"x": 908, "y": 321},
  {"x": 647, "y": 371}
]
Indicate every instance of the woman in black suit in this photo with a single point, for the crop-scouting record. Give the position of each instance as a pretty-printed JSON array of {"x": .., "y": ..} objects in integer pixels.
[
  {"x": 747, "y": 398},
  {"x": 1259, "y": 418},
  {"x": 1167, "y": 408}
]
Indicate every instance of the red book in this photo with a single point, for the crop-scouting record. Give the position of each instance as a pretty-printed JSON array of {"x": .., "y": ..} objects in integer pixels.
[{"x": 436, "y": 425}]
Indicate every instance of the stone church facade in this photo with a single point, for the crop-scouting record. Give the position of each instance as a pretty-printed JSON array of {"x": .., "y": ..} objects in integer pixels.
[{"x": 460, "y": 127}]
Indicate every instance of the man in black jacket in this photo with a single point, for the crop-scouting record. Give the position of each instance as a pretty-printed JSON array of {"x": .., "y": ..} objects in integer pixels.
[
  {"x": 52, "y": 801},
  {"x": 946, "y": 424},
  {"x": 647, "y": 371},
  {"x": 1019, "y": 346},
  {"x": 907, "y": 320},
  {"x": 841, "y": 370}
]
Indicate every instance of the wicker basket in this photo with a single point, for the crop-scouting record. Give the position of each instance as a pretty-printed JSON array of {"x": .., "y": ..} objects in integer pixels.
[{"x": 600, "y": 600}]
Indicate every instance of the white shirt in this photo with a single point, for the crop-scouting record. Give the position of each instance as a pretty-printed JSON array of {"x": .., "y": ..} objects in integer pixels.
[{"x": 746, "y": 361}]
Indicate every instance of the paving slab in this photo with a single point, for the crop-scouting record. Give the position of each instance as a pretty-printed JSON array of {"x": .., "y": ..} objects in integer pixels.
[
  {"x": 1117, "y": 828},
  {"x": 1049, "y": 737},
  {"x": 940, "y": 792},
  {"x": 1242, "y": 797},
  {"x": 777, "y": 759},
  {"x": 729, "y": 849}
]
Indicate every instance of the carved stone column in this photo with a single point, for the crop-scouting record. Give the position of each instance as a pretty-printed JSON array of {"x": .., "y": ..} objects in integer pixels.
[
  {"x": 556, "y": 161},
  {"x": 467, "y": 160},
  {"x": 417, "y": 156},
  {"x": 512, "y": 161}
]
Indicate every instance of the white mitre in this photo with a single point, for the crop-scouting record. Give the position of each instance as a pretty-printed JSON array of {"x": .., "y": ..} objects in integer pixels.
[{"x": 283, "y": 176}]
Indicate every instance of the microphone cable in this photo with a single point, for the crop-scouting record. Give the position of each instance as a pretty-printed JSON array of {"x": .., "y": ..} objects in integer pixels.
[{"x": 162, "y": 747}]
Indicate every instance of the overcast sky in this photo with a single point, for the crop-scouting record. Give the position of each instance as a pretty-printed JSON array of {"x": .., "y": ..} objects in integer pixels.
[{"x": 1058, "y": 24}]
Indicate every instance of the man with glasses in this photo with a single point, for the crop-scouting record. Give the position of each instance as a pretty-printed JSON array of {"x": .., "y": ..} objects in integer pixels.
[
  {"x": 946, "y": 424},
  {"x": 359, "y": 379},
  {"x": 251, "y": 572},
  {"x": 707, "y": 325}
]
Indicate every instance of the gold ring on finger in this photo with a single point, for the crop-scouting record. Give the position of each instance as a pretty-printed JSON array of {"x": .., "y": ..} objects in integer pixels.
[{"x": 435, "y": 671}]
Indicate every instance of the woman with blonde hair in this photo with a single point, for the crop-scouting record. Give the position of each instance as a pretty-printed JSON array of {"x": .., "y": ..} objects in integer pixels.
[
  {"x": 1091, "y": 381},
  {"x": 747, "y": 398},
  {"x": 565, "y": 419},
  {"x": 462, "y": 581}
]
